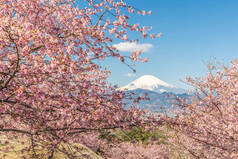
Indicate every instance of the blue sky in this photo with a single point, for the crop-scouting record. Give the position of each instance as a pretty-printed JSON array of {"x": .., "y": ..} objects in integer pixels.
[{"x": 194, "y": 32}]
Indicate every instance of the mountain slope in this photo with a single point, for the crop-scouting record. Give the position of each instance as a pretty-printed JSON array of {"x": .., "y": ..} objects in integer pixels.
[
  {"x": 159, "y": 102},
  {"x": 149, "y": 82}
]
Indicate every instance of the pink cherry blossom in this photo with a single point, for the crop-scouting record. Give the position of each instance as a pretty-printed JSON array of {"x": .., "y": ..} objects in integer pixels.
[{"x": 52, "y": 87}]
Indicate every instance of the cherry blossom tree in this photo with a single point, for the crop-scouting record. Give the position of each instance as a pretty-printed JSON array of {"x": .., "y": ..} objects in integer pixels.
[
  {"x": 207, "y": 126},
  {"x": 51, "y": 87}
]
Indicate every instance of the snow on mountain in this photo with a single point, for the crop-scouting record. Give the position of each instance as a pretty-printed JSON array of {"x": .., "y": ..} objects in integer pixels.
[{"x": 149, "y": 82}]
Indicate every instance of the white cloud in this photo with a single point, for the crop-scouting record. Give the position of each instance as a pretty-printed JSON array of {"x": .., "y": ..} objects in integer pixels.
[
  {"x": 130, "y": 74},
  {"x": 131, "y": 47}
]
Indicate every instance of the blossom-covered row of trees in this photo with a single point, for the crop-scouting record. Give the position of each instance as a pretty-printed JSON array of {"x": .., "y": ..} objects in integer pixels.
[
  {"x": 207, "y": 126},
  {"x": 51, "y": 88}
]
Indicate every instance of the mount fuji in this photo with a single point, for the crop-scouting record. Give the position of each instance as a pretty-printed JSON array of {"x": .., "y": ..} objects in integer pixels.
[
  {"x": 152, "y": 83},
  {"x": 160, "y": 93}
]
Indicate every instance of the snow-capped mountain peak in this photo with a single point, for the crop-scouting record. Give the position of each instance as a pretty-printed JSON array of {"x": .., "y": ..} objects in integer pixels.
[{"x": 152, "y": 83}]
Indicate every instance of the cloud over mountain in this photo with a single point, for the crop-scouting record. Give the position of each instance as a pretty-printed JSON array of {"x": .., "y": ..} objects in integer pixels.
[
  {"x": 130, "y": 75},
  {"x": 132, "y": 46}
]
